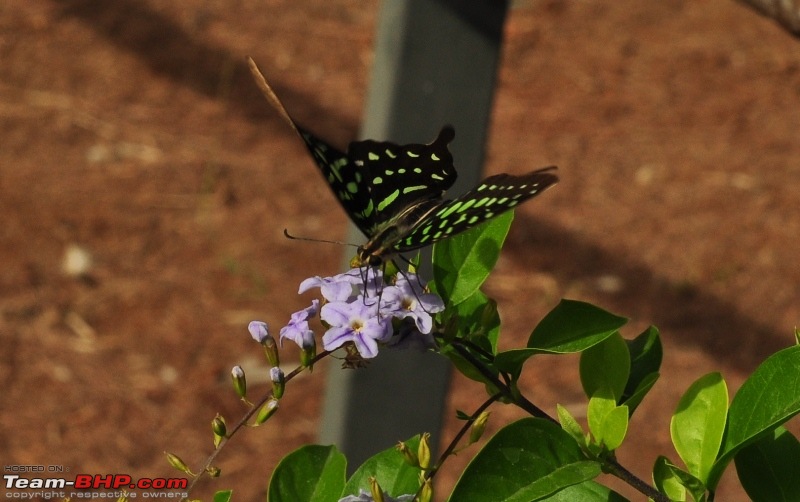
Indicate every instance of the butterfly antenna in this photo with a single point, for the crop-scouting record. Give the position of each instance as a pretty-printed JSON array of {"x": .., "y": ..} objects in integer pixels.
[{"x": 311, "y": 239}]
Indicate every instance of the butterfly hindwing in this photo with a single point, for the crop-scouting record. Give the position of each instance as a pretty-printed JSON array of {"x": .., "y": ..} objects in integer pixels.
[{"x": 492, "y": 197}]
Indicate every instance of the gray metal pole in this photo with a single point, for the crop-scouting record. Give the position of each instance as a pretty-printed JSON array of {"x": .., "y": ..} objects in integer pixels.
[{"x": 435, "y": 64}]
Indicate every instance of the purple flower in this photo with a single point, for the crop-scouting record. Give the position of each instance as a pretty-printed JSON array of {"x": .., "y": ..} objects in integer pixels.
[
  {"x": 353, "y": 315},
  {"x": 258, "y": 330},
  {"x": 407, "y": 298},
  {"x": 346, "y": 286},
  {"x": 355, "y": 322},
  {"x": 365, "y": 496},
  {"x": 297, "y": 330},
  {"x": 276, "y": 374}
]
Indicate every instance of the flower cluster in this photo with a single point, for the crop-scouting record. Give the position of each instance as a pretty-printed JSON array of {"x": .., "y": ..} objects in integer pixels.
[{"x": 359, "y": 309}]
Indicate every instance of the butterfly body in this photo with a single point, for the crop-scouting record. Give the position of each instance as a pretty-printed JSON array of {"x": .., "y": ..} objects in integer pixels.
[
  {"x": 390, "y": 236},
  {"x": 395, "y": 193}
]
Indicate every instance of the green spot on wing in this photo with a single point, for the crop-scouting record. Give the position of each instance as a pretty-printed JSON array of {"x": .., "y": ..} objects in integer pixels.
[
  {"x": 368, "y": 210},
  {"x": 388, "y": 200},
  {"x": 414, "y": 189},
  {"x": 447, "y": 212}
]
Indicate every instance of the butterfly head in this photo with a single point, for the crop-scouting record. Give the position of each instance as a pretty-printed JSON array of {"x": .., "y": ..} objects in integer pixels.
[{"x": 366, "y": 258}]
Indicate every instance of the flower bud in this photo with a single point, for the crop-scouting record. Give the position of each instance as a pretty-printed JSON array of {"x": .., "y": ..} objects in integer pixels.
[
  {"x": 478, "y": 426},
  {"x": 375, "y": 489},
  {"x": 278, "y": 382},
  {"x": 489, "y": 314},
  {"x": 212, "y": 471},
  {"x": 424, "y": 451},
  {"x": 239, "y": 381},
  {"x": 409, "y": 456},
  {"x": 258, "y": 330},
  {"x": 426, "y": 492},
  {"x": 271, "y": 351},
  {"x": 219, "y": 428},
  {"x": 266, "y": 411},
  {"x": 176, "y": 462},
  {"x": 308, "y": 353}
]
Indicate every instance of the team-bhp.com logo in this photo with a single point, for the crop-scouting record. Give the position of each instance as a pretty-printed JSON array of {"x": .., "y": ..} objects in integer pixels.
[{"x": 59, "y": 488}]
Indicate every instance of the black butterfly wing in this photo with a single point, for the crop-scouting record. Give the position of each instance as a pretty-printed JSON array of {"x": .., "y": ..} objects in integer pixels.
[
  {"x": 492, "y": 197},
  {"x": 401, "y": 176},
  {"x": 348, "y": 181},
  {"x": 375, "y": 181}
]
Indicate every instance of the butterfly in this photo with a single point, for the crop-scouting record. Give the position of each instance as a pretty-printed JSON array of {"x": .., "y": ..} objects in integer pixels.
[{"x": 395, "y": 193}]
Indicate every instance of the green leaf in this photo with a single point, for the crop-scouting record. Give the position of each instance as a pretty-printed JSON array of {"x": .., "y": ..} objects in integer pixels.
[
  {"x": 478, "y": 317},
  {"x": 768, "y": 468},
  {"x": 570, "y": 425},
  {"x": 606, "y": 365},
  {"x": 698, "y": 424},
  {"x": 646, "y": 353},
  {"x": 608, "y": 422},
  {"x": 675, "y": 475},
  {"x": 468, "y": 369},
  {"x": 527, "y": 460},
  {"x": 600, "y": 405},
  {"x": 588, "y": 491},
  {"x": 223, "y": 496},
  {"x": 313, "y": 472},
  {"x": 393, "y": 473},
  {"x": 767, "y": 399},
  {"x": 476, "y": 321},
  {"x": 512, "y": 361},
  {"x": 463, "y": 262},
  {"x": 667, "y": 481},
  {"x": 635, "y": 399},
  {"x": 573, "y": 326},
  {"x": 615, "y": 427}
]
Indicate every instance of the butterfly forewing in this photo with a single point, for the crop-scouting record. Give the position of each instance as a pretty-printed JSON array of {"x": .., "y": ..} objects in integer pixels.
[
  {"x": 400, "y": 176},
  {"x": 349, "y": 182},
  {"x": 492, "y": 197},
  {"x": 377, "y": 180}
]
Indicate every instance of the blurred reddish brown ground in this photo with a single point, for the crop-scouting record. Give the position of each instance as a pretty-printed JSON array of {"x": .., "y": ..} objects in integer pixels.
[{"x": 132, "y": 130}]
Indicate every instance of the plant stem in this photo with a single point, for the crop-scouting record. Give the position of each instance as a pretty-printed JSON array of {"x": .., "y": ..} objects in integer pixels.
[
  {"x": 467, "y": 424},
  {"x": 243, "y": 421},
  {"x": 610, "y": 465}
]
